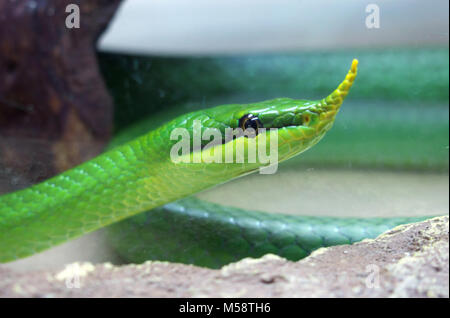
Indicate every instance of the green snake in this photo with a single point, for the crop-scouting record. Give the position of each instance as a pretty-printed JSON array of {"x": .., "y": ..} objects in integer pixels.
[{"x": 140, "y": 176}]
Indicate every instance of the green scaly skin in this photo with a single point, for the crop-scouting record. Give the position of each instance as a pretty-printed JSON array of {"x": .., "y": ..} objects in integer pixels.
[
  {"x": 139, "y": 175},
  {"x": 197, "y": 232}
]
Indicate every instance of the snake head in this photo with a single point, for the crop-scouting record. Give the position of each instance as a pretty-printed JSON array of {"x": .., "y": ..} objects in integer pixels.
[{"x": 298, "y": 124}]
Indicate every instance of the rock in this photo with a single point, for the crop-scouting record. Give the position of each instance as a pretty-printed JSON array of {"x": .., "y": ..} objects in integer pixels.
[{"x": 407, "y": 261}]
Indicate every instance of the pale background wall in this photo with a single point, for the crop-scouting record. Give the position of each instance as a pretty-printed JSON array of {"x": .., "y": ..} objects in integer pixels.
[{"x": 244, "y": 26}]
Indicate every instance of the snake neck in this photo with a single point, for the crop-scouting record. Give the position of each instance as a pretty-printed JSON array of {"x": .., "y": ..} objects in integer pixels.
[{"x": 122, "y": 182}]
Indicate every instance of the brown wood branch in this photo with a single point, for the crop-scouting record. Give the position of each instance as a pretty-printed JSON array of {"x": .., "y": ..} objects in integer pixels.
[{"x": 55, "y": 111}]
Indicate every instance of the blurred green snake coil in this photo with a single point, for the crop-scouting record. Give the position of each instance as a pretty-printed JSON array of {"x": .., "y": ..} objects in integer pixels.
[{"x": 140, "y": 176}]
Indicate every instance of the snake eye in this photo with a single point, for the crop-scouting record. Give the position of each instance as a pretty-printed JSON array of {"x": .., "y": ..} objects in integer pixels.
[{"x": 250, "y": 121}]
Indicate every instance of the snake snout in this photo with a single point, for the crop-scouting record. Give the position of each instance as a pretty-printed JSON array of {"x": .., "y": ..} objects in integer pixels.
[{"x": 333, "y": 102}]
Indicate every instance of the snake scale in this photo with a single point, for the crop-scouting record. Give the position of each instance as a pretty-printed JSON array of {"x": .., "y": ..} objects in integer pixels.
[{"x": 140, "y": 176}]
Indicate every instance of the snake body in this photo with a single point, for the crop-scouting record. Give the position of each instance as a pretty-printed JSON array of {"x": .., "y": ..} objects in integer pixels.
[
  {"x": 139, "y": 176},
  {"x": 197, "y": 232}
]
